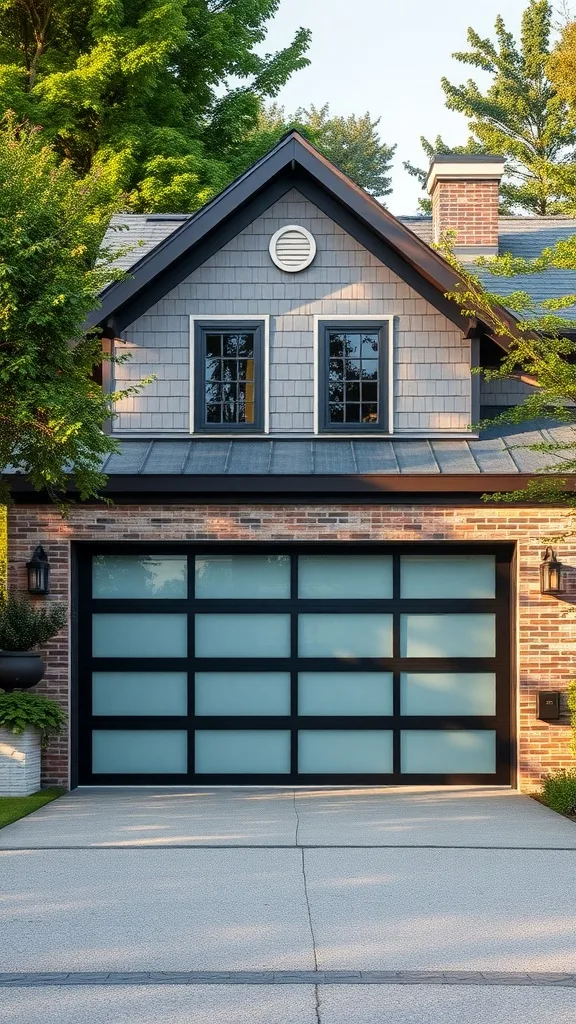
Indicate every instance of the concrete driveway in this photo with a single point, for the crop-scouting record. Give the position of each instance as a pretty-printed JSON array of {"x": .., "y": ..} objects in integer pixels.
[{"x": 325, "y": 906}]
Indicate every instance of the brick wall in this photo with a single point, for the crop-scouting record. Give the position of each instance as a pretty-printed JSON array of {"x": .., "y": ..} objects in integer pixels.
[
  {"x": 470, "y": 208},
  {"x": 546, "y": 626}
]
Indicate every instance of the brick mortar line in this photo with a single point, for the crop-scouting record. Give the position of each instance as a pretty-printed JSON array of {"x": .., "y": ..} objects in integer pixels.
[{"x": 531, "y": 979}]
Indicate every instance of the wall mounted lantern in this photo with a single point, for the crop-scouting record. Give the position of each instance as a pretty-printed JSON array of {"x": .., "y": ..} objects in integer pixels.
[
  {"x": 38, "y": 572},
  {"x": 551, "y": 581}
]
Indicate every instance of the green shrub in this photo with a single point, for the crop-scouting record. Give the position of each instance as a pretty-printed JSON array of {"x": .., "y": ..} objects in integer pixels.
[
  {"x": 20, "y": 709},
  {"x": 23, "y": 625},
  {"x": 559, "y": 791}
]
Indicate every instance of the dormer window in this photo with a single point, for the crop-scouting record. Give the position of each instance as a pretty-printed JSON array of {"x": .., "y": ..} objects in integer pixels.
[{"x": 229, "y": 377}]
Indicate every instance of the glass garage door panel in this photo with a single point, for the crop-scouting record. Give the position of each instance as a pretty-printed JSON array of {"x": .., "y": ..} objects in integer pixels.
[
  {"x": 451, "y": 576},
  {"x": 344, "y": 576},
  {"x": 242, "y": 576},
  {"x": 448, "y": 693},
  {"x": 448, "y": 752},
  {"x": 139, "y": 635},
  {"x": 448, "y": 636},
  {"x": 311, "y": 661},
  {"x": 342, "y": 751},
  {"x": 345, "y": 636},
  {"x": 139, "y": 693},
  {"x": 242, "y": 751},
  {"x": 141, "y": 576},
  {"x": 242, "y": 693},
  {"x": 139, "y": 751},
  {"x": 242, "y": 636},
  {"x": 345, "y": 693}
]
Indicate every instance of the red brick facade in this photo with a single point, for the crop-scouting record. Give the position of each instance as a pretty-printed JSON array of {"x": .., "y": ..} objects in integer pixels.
[
  {"x": 468, "y": 208},
  {"x": 545, "y": 626}
]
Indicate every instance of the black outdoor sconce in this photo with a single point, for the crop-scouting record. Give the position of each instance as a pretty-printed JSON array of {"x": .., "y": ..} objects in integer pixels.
[
  {"x": 38, "y": 572},
  {"x": 551, "y": 573}
]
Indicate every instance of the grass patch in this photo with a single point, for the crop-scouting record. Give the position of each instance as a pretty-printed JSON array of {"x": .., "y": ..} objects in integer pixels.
[{"x": 14, "y": 807}]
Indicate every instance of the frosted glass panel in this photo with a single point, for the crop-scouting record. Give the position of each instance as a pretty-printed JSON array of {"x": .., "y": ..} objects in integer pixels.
[
  {"x": 448, "y": 636},
  {"x": 344, "y": 576},
  {"x": 448, "y": 752},
  {"x": 448, "y": 693},
  {"x": 139, "y": 635},
  {"x": 242, "y": 693},
  {"x": 242, "y": 576},
  {"x": 466, "y": 576},
  {"x": 139, "y": 752},
  {"x": 139, "y": 693},
  {"x": 345, "y": 636},
  {"x": 139, "y": 576},
  {"x": 335, "y": 750},
  {"x": 243, "y": 636},
  {"x": 345, "y": 693},
  {"x": 235, "y": 751}
]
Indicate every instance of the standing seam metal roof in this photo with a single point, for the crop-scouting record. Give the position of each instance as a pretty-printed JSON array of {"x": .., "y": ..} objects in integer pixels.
[{"x": 498, "y": 450}]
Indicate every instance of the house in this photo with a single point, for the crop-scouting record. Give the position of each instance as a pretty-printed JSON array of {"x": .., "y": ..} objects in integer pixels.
[{"x": 299, "y": 580}]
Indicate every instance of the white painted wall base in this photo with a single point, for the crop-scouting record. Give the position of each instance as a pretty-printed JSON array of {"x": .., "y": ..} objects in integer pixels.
[{"x": 19, "y": 762}]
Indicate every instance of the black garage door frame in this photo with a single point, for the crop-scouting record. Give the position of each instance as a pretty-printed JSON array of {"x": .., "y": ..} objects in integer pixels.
[{"x": 503, "y": 722}]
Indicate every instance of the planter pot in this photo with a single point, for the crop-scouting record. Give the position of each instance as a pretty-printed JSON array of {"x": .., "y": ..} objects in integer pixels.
[
  {"x": 19, "y": 762},
  {"x": 19, "y": 670}
]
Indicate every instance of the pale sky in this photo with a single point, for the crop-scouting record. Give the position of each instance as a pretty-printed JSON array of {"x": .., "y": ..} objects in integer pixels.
[{"x": 388, "y": 56}]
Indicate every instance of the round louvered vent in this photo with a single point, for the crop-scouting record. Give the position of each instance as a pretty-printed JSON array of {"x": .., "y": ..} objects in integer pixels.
[{"x": 292, "y": 248}]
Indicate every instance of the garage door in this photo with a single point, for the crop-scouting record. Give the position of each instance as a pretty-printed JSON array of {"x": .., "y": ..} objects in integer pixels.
[{"x": 314, "y": 665}]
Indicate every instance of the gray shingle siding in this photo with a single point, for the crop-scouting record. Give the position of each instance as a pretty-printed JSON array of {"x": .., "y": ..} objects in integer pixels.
[{"x": 431, "y": 361}]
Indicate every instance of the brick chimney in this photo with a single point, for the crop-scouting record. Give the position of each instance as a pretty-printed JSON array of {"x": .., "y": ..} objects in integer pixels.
[{"x": 464, "y": 191}]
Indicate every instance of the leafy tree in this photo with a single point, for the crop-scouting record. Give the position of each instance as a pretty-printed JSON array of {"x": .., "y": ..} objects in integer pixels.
[
  {"x": 538, "y": 351},
  {"x": 352, "y": 143},
  {"x": 52, "y": 269},
  {"x": 522, "y": 115},
  {"x": 139, "y": 88}
]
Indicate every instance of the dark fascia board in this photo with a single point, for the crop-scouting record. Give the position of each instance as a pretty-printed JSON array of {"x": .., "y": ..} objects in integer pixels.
[
  {"x": 193, "y": 230},
  {"x": 290, "y": 488},
  {"x": 292, "y": 153}
]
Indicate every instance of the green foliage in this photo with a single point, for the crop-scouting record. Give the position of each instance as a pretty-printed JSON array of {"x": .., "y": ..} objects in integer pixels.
[
  {"x": 559, "y": 791},
  {"x": 521, "y": 115},
  {"x": 351, "y": 143},
  {"x": 537, "y": 352},
  {"x": 24, "y": 625},
  {"x": 14, "y": 807},
  {"x": 21, "y": 709},
  {"x": 52, "y": 269},
  {"x": 140, "y": 88},
  {"x": 572, "y": 710}
]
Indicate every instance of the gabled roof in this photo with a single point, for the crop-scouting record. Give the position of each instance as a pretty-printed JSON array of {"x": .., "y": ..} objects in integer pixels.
[{"x": 292, "y": 163}]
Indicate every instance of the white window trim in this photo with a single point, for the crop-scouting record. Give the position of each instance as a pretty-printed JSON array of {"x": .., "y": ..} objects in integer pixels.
[
  {"x": 210, "y": 318},
  {"x": 354, "y": 318}
]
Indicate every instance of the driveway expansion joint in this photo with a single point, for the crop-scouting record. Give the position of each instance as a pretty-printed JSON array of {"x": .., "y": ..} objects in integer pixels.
[
  {"x": 163, "y": 847},
  {"x": 485, "y": 979}
]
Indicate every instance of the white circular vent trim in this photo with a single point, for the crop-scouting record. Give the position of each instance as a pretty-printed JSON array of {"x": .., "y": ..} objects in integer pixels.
[{"x": 292, "y": 248}]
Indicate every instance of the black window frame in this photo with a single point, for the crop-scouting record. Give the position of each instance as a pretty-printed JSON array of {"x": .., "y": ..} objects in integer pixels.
[
  {"x": 384, "y": 327},
  {"x": 201, "y": 330}
]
